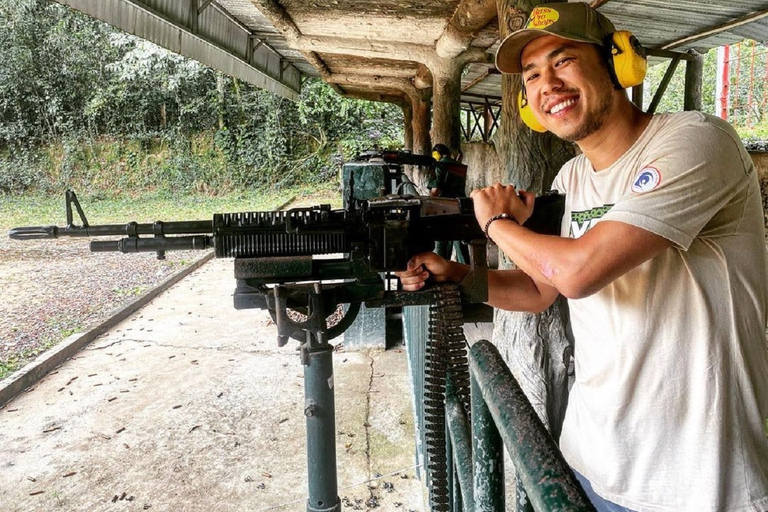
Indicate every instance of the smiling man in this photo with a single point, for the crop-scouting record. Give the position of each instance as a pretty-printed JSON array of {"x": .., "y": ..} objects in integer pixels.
[{"x": 662, "y": 256}]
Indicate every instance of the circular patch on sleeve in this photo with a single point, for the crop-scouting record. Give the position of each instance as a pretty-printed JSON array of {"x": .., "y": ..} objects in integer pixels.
[{"x": 647, "y": 179}]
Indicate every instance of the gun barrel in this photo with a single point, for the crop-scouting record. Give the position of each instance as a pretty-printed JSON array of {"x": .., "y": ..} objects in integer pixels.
[
  {"x": 34, "y": 233},
  {"x": 187, "y": 227},
  {"x": 133, "y": 245}
]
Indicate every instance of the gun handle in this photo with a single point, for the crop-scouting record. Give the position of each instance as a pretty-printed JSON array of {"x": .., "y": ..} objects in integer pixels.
[{"x": 34, "y": 233}]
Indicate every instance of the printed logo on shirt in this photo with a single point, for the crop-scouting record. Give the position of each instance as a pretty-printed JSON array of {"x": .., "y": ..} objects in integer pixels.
[
  {"x": 647, "y": 179},
  {"x": 583, "y": 221}
]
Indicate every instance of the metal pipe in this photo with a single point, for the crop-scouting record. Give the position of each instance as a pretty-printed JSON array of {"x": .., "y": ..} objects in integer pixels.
[
  {"x": 545, "y": 474},
  {"x": 487, "y": 455},
  {"x": 461, "y": 442}
]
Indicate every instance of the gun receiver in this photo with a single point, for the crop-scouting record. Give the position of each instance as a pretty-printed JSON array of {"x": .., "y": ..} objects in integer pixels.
[{"x": 280, "y": 255}]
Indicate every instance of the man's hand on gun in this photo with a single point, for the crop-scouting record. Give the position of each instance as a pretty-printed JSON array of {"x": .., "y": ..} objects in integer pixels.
[
  {"x": 498, "y": 199},
  {"x": 488, "y": 202},
  {"x": 429, "y": 265}
]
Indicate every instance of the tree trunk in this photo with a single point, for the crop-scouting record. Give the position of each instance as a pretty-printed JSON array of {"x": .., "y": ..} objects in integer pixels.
[
  {"x": 408, "y": 126},
  {"x": 536, "y": 347},
  {"x": 421, "y": 146},
  {"x": 220, "y": 98},
  {"x": 446, "y": 101}
]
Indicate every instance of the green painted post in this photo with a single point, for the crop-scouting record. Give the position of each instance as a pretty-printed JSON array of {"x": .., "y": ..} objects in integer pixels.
[
  {"x": 487, "y": 454},
  {"x": 546, "y": 476},
  {"x": 459, "y": 430},
  {"x": 415, "y": 334}
]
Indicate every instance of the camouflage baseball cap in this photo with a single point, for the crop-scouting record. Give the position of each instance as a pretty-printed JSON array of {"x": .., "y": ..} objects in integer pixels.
[{"x": 575, "y": 21}]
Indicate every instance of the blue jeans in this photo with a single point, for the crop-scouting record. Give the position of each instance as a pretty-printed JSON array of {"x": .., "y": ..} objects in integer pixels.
[{"x": 601, "y": 504}]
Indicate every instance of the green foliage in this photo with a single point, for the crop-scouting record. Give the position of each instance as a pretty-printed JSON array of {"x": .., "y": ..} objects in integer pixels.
[
  {"x": 86, "y": 106},
  {"x": 673, "y": 98},
  {"x": 47, "y": 69},
  {"x": 751, "y": 125},
  {"x": 270, "y": 141}
]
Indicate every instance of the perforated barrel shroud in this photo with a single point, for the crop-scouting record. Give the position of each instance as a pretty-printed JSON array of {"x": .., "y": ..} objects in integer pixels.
[{"x": 272, "y": 234}]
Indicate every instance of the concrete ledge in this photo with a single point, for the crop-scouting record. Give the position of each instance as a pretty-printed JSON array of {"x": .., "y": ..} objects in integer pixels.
[{"x": 50, "y": 359}]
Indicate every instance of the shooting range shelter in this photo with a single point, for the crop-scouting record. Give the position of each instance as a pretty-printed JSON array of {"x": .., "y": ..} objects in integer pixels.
[{"x": 435, "y": 61}]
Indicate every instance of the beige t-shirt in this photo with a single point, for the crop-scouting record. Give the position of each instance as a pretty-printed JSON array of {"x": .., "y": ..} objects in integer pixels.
[{"x": 669, "y": 406}]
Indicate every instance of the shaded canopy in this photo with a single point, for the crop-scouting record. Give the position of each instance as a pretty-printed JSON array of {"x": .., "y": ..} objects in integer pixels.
[{"x": 388, "y": 49}]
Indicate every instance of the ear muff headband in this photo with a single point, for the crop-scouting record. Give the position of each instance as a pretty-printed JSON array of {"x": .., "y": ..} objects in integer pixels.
[
  {"x": 627, "y": 61},
  {"x": 526, "y": 113}
]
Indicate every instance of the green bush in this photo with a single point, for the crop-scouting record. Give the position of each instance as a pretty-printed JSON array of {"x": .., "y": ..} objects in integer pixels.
[{"x": 85, "y": 106}]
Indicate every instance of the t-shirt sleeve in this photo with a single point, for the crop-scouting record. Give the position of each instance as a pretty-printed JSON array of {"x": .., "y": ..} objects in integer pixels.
[{"x": 687, "y": 175}]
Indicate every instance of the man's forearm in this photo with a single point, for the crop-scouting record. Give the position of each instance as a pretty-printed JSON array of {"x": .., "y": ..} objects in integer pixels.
[
  {"x": 531, "y": 252},
  {"x": 579, "y": 267},
  {"x": 514, "y": 290}
]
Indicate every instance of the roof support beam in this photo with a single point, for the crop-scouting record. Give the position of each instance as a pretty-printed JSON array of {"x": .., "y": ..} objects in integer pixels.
[
  {"x": 375, "y": 82},
  {"x": 203, "y": 7},
  {"x": 359, "y": 47},
  {"x": 469, "y": 18},
  {"x": 749, "y": 18},
  {"x": 598, "y": 3},
  {"x": 486, "y": 74},
  {"x": 394, "y": 51}
]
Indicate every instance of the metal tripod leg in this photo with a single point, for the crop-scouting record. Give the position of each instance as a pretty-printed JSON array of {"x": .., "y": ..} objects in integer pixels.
[{"x": 320, "y": 410}]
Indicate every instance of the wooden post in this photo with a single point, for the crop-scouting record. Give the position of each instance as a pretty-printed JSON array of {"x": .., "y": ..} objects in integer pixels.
[
  {"x": 722, "y": 93},
  {"x": 694, "y": 71},
  {"x": 421, "y": 143},
  {"x": 446, "y": 99},
  {"x": 407, "y": 126}
]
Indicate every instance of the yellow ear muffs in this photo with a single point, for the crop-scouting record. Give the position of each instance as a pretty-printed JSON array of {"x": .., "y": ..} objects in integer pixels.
[
  {"x": 526, "y": 113},
  {"x": 628, "y": 59}
]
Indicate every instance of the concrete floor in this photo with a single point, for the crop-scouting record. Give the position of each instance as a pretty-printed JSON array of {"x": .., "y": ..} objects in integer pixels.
[{"x": 189, "y": 405}]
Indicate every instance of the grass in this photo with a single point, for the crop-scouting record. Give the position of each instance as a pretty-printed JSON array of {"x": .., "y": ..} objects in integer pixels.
[
  {"x": 101, "y": 208},
  {"x": 66, "y": 325},
  {"x": 15, "y": 361}
]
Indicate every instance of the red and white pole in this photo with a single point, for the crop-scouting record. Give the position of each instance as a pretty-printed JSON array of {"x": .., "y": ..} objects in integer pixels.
[{"x": 722, "y": 91}]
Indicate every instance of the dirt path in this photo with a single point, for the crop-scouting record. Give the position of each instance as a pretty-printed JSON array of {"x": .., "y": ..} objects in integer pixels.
[
  {"x": 190, "y": 406},
  {"x": 52, "y": 288}
]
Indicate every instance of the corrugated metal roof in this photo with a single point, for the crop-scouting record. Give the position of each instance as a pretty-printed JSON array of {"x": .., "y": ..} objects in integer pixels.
[{"x": 277, "y": 38}]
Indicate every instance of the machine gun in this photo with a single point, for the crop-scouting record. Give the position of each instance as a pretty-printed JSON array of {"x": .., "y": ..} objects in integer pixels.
[
  {"x": 276, "y": 253},
  {"x": 310, "y": 260}
]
